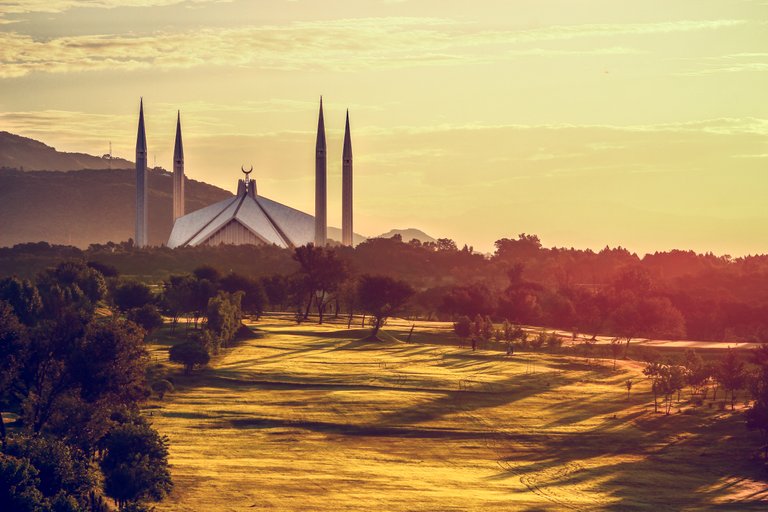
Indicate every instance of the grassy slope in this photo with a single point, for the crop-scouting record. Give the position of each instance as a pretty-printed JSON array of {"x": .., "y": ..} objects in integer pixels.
[{"x": 308, "y": 418}]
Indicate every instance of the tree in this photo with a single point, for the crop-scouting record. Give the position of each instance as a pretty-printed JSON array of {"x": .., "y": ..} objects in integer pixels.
[
  {"x": 254, "y": 297},
  {"x": 147, "y": 317},
  {"x": 62, "y": 469},
  {"x": 131, "y": 295},
  {"x": 470, "y": 300},
  {"x": 615, "y": 350},
  {"x": 382, "y": 297},
  {"x": 463, "y": 328},
  {"x": 757, "y": 415},
  {"x": 730, "y": 374},
  {"x": 654, "y": 371},
  {"x": 70, "y": 286},
  {"x": 135, "y": 464},
  {"x": 13, "y": 343},
  {"x": 446, "y": 244},
  {"x": 224, "y": 317},
  {"x": 320, "y": 272},
  {"x": 192, "y": 354},
  {"x": 18, "y": 485},
  {"x": 648, "y": 317},
  {"x": 695, "y": 371},
  {"x": 23, "y": 297},
  {"x": 276, "y": 288},
  {"x": 206, "y": 272}
]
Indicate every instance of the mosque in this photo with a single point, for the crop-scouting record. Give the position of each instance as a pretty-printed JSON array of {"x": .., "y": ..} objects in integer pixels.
[{"x": 249, "y": 218}]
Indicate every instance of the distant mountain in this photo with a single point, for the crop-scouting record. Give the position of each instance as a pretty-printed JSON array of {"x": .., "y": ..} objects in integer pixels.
[
  {"x": 408, "y": 235},
  {"x": 92, "y": 206},
  {"x": 17, "y": 152}
]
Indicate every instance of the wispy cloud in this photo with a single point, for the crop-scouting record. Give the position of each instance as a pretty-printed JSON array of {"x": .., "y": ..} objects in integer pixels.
[
  {"x": 345, "y": 44},
  {"x": 52, "y": 6}
]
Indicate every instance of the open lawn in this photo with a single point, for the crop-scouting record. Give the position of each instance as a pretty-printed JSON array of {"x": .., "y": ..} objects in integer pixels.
[{"x": 312, "y": 418}]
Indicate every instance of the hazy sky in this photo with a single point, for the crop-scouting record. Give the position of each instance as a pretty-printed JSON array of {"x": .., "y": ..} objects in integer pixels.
[{"x": 590, "y": 123}]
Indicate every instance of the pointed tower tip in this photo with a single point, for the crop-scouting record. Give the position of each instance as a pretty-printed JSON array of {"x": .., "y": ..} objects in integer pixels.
[
  {"x": 178, "y": 150},
  {"x": 141, "y": 137}
]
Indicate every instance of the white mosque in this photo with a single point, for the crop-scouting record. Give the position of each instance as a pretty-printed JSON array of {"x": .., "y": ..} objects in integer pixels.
[{"x": 248, "y": 218}]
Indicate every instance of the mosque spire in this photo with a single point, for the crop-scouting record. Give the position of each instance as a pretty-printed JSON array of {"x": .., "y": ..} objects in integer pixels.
[
  {"x": 178, "y": 172},
  {"x": 346, "y": 188},
  {"x": 141, "y": 181},
  {"x": 321, "y": 217}
]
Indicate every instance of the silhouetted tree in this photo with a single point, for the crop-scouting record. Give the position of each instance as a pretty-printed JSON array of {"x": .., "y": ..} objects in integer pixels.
[
  {"x": 135, "y": 464},
  {"x": 254, "y": 297},
  {"x": 207, "y": 272},
  {"x": 463, "y": 328},
  {"x": 18, "y": 485},
  {"x": 321, "y": 272},
  {"x": 147, "y": 317},
  {"x": 192, "y": 354},
  {"x": 382, "y": 297},
  {"x": 730, "y": 374},
  {"x": 23, "y": 297},
  {"x": 131, "y": 295},
  {"x": 277, "y": 290},
  {"x": 757, "y": 414}
]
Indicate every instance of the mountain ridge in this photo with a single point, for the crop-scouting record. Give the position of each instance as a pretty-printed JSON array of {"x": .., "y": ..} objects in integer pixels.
[{"x": 27, "y": 154}]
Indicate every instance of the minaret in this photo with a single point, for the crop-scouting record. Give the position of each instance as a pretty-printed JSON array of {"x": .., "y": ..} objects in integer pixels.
[
  {"x": 141, "y": 181},
  {"x": 178, "y": 173},
  {"x": 321, "y": 217},
  {"x": 346, "y": 188}
]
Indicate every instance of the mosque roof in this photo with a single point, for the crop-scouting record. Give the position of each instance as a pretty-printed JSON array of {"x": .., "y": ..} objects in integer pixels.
[{"x": 269, "y": 221}]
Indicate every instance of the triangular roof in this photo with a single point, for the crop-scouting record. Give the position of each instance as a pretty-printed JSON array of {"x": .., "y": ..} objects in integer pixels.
[{"x": 270, "y": 221}]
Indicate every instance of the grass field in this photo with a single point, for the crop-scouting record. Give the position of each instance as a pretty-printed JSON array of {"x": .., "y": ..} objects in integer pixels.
[{"x": 312, "y": 418}]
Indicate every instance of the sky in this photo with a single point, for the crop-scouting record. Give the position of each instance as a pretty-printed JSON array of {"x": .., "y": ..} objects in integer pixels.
[{"x": 590, "y": 123}]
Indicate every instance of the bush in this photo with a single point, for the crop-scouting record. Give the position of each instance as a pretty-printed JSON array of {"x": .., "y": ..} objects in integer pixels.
[{"x": 161, "y": 387}]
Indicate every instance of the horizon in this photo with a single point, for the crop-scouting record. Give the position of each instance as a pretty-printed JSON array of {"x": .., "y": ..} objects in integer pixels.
[{"x": 636, "y": 130}]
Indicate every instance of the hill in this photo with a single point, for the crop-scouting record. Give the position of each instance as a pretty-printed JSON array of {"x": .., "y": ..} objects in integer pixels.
[
  {"x": 22, "y": 153},
  {"x": 92, "y": 206},
  {"x": 408, "y": 235},
  {"x": 312, "y": 418}
]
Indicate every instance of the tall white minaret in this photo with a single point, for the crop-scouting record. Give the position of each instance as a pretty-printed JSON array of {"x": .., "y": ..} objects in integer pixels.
[
  {"x": 346, "y": 188},
  {"x": 141, "y": 181},
  {"x": 321, "y": 214},
  {"x": 178, "y": 172}
]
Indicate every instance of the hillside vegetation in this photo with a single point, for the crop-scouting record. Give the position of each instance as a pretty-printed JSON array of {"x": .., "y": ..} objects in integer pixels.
[
  {"x": 17, "y": 152},
  {"x": 84, "y": 207},
  {"x": 311, "y": 418}
]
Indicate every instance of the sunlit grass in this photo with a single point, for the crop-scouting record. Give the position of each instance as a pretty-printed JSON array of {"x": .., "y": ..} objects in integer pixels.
[{"x": 311, "y": 418}]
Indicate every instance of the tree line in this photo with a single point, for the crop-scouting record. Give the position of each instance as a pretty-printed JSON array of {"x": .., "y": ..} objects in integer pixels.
[{"x": 612, "y": 291}]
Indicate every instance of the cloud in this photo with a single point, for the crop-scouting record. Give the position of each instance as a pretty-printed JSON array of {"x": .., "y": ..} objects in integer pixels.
[
  {"x": 343, "y": 44},
  {"x": 53, "y": 6}
]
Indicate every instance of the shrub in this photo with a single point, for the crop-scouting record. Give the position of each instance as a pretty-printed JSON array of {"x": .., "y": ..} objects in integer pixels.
[{"x": 161, "y": 387}]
